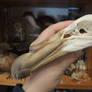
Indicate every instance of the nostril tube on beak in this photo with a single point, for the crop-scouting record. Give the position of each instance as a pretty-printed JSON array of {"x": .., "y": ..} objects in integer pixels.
[{"x": 82, "y": 31}]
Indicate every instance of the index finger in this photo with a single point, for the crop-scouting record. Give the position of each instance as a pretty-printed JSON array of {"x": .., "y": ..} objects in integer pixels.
[{"x": 51, "y": 30}]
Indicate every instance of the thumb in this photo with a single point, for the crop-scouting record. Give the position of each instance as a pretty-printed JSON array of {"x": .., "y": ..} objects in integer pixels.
[{"x": 50, "y": 31}]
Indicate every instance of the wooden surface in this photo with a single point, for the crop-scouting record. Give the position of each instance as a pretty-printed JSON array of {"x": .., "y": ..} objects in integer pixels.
[
  {"x": 66, "y": 82},
  {"x": 89, "y": 61},
  {"x": 4, "y": 80}
]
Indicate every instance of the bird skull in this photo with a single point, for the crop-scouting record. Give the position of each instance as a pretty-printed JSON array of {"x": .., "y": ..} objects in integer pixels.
[
  {"x": 79, "y": 37},
  {"x": 81, "y": 34}
]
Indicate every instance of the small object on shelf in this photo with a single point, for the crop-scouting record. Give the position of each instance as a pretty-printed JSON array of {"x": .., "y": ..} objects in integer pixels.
[
  {"x": 45, "y": 20},
  {"x": 70, "y": 70},
  {"x": 80, "y": 76},
  {"x": 6, "y": 60},
  {"x": 81, "y": 65},
  {"x": 22, "y": 29},
  {"x": 17, "y": 29},
  {"x": 67, "y": 72},
  {"x": 32, "y": 22}
]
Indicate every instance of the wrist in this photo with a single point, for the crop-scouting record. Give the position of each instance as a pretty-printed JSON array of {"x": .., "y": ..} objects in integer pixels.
[
  {"x": 23, "y": 87},
  {"x": 18, "y": 88}
]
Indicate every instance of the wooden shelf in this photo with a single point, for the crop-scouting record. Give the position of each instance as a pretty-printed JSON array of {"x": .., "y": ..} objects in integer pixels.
[
  {"x": 57, "y": 3},
  {"x": 67, "y": 83},
  {"x": 4, "y": 80}
]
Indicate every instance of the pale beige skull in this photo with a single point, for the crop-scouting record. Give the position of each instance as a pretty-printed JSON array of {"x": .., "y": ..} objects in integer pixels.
[{"x": 80, "y": 37}]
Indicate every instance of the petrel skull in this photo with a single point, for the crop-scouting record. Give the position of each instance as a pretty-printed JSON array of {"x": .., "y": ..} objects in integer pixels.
[{"x": 76, "y": 36}]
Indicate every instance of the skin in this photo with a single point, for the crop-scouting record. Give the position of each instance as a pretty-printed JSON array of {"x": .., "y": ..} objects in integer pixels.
[{"x": 48, "y": 77}]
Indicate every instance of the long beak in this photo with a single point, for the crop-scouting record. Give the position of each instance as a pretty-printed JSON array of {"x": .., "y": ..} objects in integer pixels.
[{"x": 62, "y": 43}]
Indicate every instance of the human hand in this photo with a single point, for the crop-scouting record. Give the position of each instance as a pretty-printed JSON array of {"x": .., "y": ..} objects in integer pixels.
[{"x": 48, "y": 77}]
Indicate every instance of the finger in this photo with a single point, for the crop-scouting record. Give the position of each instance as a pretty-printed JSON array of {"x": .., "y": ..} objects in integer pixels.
[
  {"x": 51, "y": 30},
  {"x": 74, "y": 55},
  {"x": 69, "y": 58}
]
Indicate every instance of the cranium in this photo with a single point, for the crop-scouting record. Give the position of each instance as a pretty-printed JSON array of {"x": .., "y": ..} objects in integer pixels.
[{"x": 75, "y": 37}]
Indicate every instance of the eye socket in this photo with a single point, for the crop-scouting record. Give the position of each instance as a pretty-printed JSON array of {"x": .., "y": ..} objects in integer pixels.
[{"x": 82, "y": 31}]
